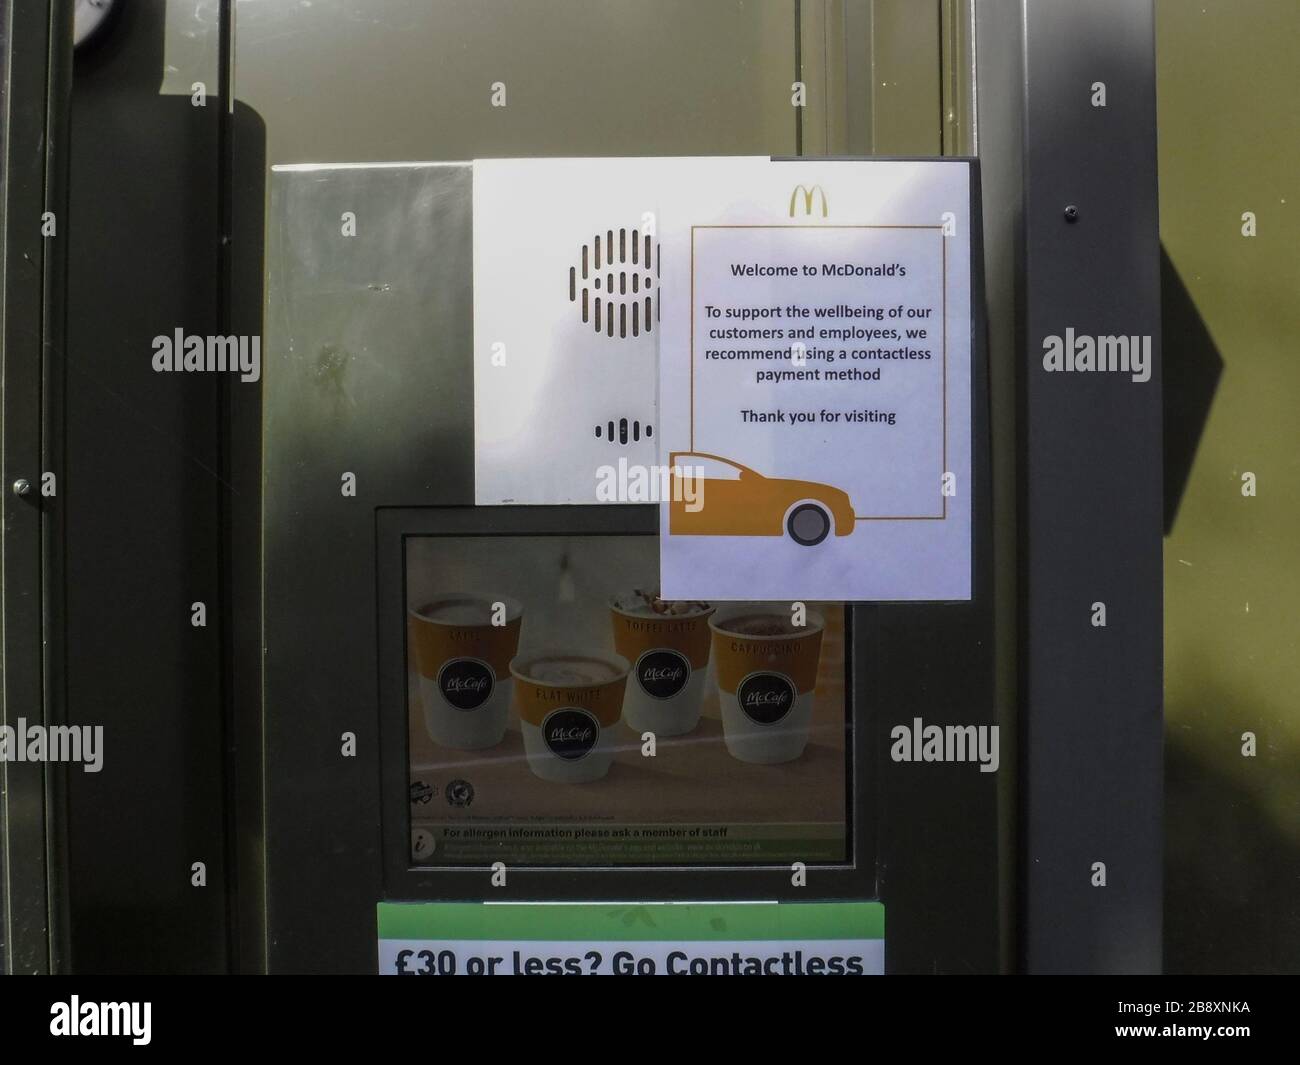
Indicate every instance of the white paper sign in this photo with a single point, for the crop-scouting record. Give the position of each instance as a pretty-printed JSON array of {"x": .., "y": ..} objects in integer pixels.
[
  {"x": 815, "y": 368},
  {"x": 566, "y": 319},
  {"x": 797, "y": 333}
]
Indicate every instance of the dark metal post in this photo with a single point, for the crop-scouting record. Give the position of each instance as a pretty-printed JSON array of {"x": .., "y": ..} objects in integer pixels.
[{"x": 1090, "y": 452}]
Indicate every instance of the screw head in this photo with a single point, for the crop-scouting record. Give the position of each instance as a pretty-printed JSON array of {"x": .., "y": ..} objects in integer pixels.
[
  {"x": 1071, "y": 213},
  {"x": 22, "y": 486}
]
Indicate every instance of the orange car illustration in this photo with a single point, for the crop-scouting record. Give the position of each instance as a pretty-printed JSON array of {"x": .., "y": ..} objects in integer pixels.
[{"x": 725, "y": 498}]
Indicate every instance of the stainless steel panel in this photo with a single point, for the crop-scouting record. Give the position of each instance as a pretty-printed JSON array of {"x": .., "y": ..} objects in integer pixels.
[{"x": 367, "y": 371}]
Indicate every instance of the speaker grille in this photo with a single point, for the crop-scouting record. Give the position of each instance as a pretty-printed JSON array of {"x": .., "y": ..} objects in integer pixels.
[
  {"x": 617, "y": 283},
  {"x": 624, "y": 430}
]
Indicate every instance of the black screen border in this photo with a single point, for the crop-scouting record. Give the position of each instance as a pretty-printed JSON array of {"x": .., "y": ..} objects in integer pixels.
[{"x": 854, "y": 878}]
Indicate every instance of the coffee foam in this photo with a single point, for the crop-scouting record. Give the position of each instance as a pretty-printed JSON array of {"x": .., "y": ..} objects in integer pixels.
[
  {"x": 466, "y": 611},
  {"x": 647, "y": 604},
  {"x": 577, "y": 670},
  {"x": 760, "y": 625}
]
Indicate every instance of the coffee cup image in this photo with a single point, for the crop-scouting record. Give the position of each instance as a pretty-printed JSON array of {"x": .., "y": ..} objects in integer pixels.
[
  {"x": 767, "y": 672},
  {"x": 568, "y": 703},
  {"x": 462, "y": 644},
  {"x": 667, "y": 643}
]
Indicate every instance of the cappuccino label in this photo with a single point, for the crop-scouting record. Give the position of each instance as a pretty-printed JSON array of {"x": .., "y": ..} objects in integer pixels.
[
  {"x": 765, "y": 698},
  {"x": 662, "y": 673},
  {"x": 466, "y": 683},
  {"x": 570, "y": 733}
]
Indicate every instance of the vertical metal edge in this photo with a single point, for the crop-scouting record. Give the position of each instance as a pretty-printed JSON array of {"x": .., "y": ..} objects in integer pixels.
[
  {"x": 230, "y": 768},
  {"x": 798, "y": 74},
  {"x": 835, "y": 63},
  {"x": 824, "y": 56},
  {"x": 244, "y": 194},
  {"x": 38, "y": 44},
  {"x": 989, "y": 38},
  {"x": 6, "y": 36},
  {"x": 856, "y": 33},
  {"x": 959, "y": 79},
  {"x": 53, "y": 446},
  {"x": 810, "y": 66}
]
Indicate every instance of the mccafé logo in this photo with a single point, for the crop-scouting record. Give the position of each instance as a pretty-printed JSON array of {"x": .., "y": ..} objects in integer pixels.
[
  {"x": 662, "y": 673},
  {"x": 808, "y": 195},
  {"x": 466, "y": 683},
  {"x": 570, "y": 733},
  {"x": 765, "y": 698}
]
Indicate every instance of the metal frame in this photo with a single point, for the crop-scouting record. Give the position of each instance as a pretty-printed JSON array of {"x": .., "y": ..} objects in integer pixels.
[
  {"x": 327, "y": 640},
  {"x": 37, "y": 44},
  {"x": 986, "y": 102},
  {"x": 1092, "y": 529},
  {"x": 1011, "y": 79},
  {"x": 1089, "y": 509}
]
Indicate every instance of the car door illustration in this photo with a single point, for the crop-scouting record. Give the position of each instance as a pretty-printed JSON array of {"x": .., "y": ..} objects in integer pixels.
[{"x": 716, "y": 496}]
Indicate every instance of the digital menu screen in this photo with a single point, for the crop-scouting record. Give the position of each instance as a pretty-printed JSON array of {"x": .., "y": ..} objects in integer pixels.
[{"x": 560, "y": 713}]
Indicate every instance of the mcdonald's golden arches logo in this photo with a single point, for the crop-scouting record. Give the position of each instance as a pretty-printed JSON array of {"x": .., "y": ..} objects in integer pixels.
[{"x": 808, "y": 195}]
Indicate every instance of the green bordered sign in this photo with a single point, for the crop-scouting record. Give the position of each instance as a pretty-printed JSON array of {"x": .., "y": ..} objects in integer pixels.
[{"x": 630, "y": 939}]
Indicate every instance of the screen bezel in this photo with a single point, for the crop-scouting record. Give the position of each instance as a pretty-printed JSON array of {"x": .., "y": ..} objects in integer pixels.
[{"x": 404, "y": 880}]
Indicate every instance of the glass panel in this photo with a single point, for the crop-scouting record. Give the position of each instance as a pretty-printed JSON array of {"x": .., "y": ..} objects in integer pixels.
[{"x": 560, "y": 714}]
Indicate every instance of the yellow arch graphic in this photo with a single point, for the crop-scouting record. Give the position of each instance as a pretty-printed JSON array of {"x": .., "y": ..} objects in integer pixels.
[{"x": 808, "y": 195}]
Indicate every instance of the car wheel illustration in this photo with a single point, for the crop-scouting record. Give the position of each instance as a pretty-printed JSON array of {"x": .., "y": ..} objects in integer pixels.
[{"x": 808, "y": 524}]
